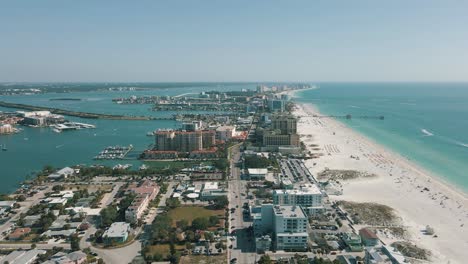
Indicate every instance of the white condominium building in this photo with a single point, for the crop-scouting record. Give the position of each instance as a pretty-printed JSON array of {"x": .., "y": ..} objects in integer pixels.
[
  {"x": 291, "y": 226},
  {"x": 308, "y": 196}
]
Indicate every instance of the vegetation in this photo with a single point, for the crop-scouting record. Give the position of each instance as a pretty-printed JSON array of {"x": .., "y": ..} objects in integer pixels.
[
  {"x": 411, "y": 250},
  {"x": 265, "y": 259},
  {"x": 259, "y": 162},
  {"x": 203, "y": 259},
  {"x": 189, "y": 213},
  {"x": 343, "y": 175},
  {"x": 370, "y": 213},
  {"x": 108, "y": 215},
  {"x": 173, "y": 203},
  {"x": 221, "y": 164}
]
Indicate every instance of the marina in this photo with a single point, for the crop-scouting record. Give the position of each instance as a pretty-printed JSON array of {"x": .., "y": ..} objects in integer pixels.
[{"x": 114, "y": 152}]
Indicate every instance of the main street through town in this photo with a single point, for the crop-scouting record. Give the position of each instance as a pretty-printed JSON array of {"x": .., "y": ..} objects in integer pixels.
[{"x": 243, "y": 246}]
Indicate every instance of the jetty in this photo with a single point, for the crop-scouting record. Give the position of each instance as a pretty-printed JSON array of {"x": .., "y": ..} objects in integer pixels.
[{"x": 76, "y": 113}]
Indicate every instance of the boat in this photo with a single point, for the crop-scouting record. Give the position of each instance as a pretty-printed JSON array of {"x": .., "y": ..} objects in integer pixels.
[
  {"x": 4, "y": 148},
  {"x": 150, "y": 134}
]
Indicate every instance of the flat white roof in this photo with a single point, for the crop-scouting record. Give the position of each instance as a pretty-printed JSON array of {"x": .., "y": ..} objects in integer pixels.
[
  {"x": 117, "y": 229},
  {"x": 307, "y": 189},
  {"x": 192, "y": 195},
  {"x": 289, "y": 211},
  {"x": 210, "y": 186},
  {"x": 258, "y": 171}
]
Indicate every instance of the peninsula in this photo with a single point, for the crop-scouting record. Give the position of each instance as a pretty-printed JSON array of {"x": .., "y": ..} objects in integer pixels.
[{"x": 74, "y": 113}]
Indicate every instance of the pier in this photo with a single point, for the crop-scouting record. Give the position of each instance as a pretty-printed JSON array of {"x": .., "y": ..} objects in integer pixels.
[
  {"x": 114, "y": 152},
  {"x": 346, "y": 117}
]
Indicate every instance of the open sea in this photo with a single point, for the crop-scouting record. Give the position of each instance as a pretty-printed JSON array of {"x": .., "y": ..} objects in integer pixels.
[{"x": 424, "y": 122}]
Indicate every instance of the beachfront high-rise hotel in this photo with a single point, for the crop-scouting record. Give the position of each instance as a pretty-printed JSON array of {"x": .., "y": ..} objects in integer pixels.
[{"x": 287, "y": 124}]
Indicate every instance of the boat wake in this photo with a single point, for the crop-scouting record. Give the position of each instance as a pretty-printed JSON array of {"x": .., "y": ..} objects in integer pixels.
[
  {"x": 426, "y": 132},
  {"x": 461, "y": 144}
]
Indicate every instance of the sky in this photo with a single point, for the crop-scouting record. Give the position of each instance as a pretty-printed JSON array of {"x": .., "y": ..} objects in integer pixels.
[{"x": 207, "y": 40}]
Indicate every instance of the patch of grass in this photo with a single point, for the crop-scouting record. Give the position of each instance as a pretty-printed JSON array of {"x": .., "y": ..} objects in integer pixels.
[
  {"x": 191, "y": 212},
  {"x": 164, "y": 164},
  {"x": 202, "y": 259},
  {"x": 372, "y": 214},
  {"x": 411, "y": 250},
  {"x": 162, "y": 249},
  {"x": 393, "y": 231},
  {"x": 343, "y": 175}
]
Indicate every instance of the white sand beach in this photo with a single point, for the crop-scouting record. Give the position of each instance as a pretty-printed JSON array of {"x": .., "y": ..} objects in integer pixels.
[{"x": 418, "y": 197}]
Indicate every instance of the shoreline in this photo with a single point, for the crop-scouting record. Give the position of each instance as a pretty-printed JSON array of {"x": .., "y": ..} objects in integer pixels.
[
  {"x": 410, "y": 163},
  {"x": 418, "y": 196}
]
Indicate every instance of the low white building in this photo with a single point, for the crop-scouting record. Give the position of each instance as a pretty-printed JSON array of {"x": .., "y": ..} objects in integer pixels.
[
  {"x": 62, "y": 173},
  {"x": 117, "y": 233},
  {"x": 211, "y": 191},
  {"x": 257, "y": 174}
]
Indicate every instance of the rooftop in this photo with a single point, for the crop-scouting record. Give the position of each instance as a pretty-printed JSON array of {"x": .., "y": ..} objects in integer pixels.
[
  {"x": 303, "y": 190},
  {"x": 258, "y": 171},
  {"x": 22, "y": 257},
  {"x": 117, "y": 229},
  {"x": 210, "y": 186},
  {"x": 366, "y": 233},
  {"x": 289, "y": 211}
]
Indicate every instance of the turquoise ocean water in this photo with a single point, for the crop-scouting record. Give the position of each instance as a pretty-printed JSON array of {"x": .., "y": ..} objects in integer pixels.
[
  {"x": 31, "y": 149},
  {"x": 425, "y": 122}
]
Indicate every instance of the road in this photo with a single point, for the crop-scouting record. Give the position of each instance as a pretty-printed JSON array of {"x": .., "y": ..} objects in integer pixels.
[
  {"x": 242, "y": 249},
  {"x": 108, "y": 198},
  {"x": 28, "y": 246}
]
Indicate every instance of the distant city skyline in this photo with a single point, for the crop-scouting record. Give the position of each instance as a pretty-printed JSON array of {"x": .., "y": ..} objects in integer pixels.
[{"x": 245, "y": 41}]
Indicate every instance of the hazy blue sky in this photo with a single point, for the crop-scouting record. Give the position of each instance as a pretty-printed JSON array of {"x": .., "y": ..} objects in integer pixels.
[{"x": 425, "y": 40}]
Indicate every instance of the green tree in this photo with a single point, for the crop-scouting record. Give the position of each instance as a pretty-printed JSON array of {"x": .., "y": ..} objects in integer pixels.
[
  {"x": 173, "y": 202},
  {"x": 213, "y": 220},
  {"x": 221, "y": 202},
  {"x": 75, "y": 242},
  {"x": 108, "y": 215},
  {"x": 182, "y": 224},
  {"x": 200, "y": 223},
  {"x": 265, "y": 259}
]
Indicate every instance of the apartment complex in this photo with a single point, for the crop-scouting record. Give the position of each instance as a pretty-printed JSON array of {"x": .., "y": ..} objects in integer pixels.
[
  {"x": 145, "y": 193},
  {"x": 288, "y": 223},
  {"x": 184, "y": 141},
  {"x": 308, "y": 196}
]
